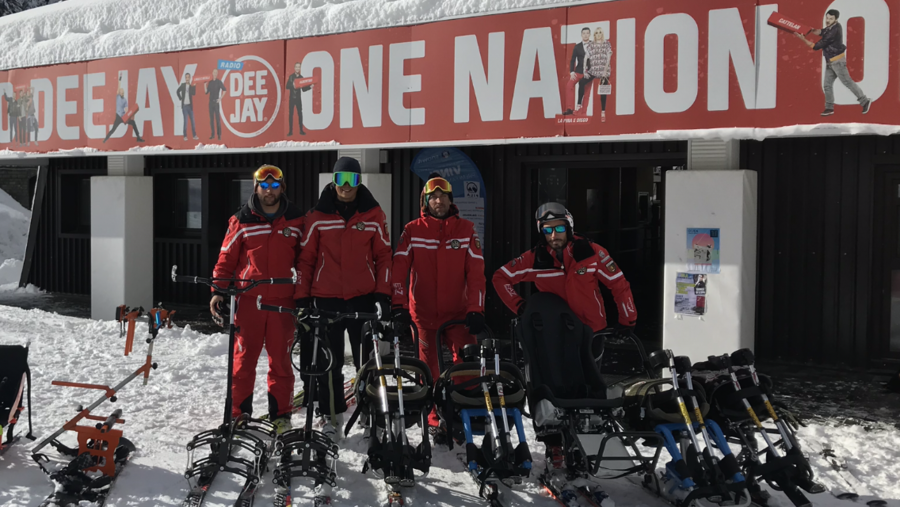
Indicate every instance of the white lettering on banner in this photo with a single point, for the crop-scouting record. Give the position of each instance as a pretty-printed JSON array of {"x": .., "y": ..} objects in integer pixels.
[
  {"x": 260, "y": 104},
  {"x": 261, "y": 83},
  {"x": 537, "y": 46},
  {"x": 685, "y": 28},
  {"x": 766, "y": 58},
  {"x": 400, "y": 84},
  {"x": 92, "y": 105},
  {"x": 43, "y": 99},
  {"x": 248, "y": 84},
  {"x": 241, "y": 115},
  {"x": 236, "y": 86},
  {"x": 625, "y": 66},
  {"x": 877, "y": 47},
  {"x": 368, "y": 96},
  {"x": 66, "y": 107},
  {"x": 728, "y": 40},
  {"x": 318, "y": 60},
  {"x": 172, "y": 84},
  {"x": 6, "y": 90},
  {"x": 147, "y": 99},
  {"x": 468, "y": 67},
  {"x": 251, "y": 97}
]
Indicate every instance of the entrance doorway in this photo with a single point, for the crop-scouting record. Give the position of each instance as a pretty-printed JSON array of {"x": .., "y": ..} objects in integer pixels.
[
  {"x": 886, "y": 339},
  {"x": 621, "y": 209}
]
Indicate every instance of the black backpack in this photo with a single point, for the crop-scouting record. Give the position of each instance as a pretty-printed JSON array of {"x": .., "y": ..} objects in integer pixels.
[{"x": 14, "y": 372}]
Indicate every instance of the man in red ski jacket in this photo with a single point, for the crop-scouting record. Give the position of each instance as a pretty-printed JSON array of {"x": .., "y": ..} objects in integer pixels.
[
  {"x": 345, "y": 265},
  {"x": 441, "y": 254},
  {"x": 568, "y": 265},
  {"x": 263, "y": 241}
]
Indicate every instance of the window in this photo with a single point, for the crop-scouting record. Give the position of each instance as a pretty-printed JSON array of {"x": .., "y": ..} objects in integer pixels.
[
  {"x": 239, "y": 193},
  {"x": 188, "y": 202},
  {"x": 75, "y": 204}
]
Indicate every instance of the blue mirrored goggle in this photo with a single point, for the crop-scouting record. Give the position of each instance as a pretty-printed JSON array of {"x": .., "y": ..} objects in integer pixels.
[
  {"x": 266, "y": 185},
  {"x": 551, "y": 230}
]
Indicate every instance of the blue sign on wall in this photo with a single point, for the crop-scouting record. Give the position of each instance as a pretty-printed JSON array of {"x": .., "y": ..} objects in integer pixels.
[{"x": 456, "y": 167}]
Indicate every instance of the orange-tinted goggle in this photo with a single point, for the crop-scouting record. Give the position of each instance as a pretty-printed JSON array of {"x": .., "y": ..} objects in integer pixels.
[
  {"x": 266, "y": 171},
  {"x": 438, "y": 184}
]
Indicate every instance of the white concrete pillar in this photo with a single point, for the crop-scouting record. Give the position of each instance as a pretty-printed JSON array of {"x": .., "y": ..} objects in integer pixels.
[
  {"x": 121, "y": 237},
  {"x": 726, "y": 200}
]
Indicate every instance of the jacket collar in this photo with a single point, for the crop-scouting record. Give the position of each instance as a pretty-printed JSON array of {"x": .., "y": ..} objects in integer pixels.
[
  {"x": 254, "y": 206},
  {"x": 364, "y": 200}
]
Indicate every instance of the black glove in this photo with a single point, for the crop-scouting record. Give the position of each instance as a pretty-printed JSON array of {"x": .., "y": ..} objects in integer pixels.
[
  {"x": 521, "y": 308},
  {"x": 223, "y": 313},
  {"x": 304, "y": 302},
  {"x": 624, "y": 330},
  {"x": 385, "y": 302},
  {"x": 401, "y": 318},
  {"x": 475, "y": 323}
]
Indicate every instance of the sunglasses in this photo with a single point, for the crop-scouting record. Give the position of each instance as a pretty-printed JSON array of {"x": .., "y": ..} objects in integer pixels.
[
  {"x": 438, "y": 184},
  {"x": 268, "y": 171},
  {"x": 346, "y": 178},
  {"x": 266, "y": 185},
  {"x": 551, "y": 230}
]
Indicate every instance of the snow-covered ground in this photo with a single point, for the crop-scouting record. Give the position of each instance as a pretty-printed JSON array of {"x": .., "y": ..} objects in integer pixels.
[
  {"x": 184, "y": 396},
  {"x": 13, "y": 239}
]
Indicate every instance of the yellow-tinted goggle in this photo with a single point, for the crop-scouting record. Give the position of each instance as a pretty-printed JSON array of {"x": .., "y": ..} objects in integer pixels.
[
  {"x": 438, "y": 183},
  {"x": 266, "y": 171}
]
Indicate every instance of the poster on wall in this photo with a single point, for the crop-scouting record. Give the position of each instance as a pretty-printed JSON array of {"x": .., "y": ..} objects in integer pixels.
[
  {"x": 703, "y": 250},
  {"x": 690, "y": 293},
  {"x": 465, "y": 178}
]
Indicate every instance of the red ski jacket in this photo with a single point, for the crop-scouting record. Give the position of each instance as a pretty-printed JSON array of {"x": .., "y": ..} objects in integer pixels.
[
  {"x": 575, "y": 280},
  {"x": 445, "y": 266},
  {"x": 257, "y": 247},
  {"x": 345, "y": 259}
]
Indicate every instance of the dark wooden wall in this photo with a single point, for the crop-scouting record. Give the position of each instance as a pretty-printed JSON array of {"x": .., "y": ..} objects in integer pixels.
[
  {"x": 197, "y": 255},
  {"x": 815, "y": 271},
  {"x": 61, "y": 262}
]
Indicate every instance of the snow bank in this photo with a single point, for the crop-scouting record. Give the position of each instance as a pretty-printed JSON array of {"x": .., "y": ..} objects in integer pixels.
[
  {"x": 758, "y": 134},
  {"x": 79, "y": 30}
]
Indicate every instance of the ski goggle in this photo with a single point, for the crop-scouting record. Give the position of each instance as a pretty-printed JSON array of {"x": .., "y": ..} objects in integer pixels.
[
  {"x": 266, "y": 185},
  {"x": 551, "y": 211},
  {"x": 346, "y": 178},
  {"x": 437, "y": 184},
  {"x": 551, "y": 230},
  {"x": 267, "y": 171}
]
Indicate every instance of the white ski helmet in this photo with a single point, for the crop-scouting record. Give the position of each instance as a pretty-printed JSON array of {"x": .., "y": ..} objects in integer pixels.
[{"x": 553, "y": 211}]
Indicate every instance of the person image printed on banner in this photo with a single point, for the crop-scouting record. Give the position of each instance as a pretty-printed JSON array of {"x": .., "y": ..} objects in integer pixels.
[
  {"x": 294, "y": 100},
  {"x": 121, "y": 108},
  {"x": 216, "y": 90},
  {"x": 186, "y": 92},
  {"x": 833, "y": 49},
  {"x": 597, "y": 67},
  {"x": 576, "y": 69}
]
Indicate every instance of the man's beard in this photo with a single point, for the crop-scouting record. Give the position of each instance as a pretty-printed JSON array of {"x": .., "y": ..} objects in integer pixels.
[{"x": 269, "y": 200}]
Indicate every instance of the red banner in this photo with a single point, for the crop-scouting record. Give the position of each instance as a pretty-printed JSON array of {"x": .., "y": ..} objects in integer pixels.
[{"x": 608, "y": 69}]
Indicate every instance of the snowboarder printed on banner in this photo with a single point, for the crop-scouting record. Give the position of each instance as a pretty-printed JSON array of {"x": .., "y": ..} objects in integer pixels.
[{"x": 703, "y": 250}]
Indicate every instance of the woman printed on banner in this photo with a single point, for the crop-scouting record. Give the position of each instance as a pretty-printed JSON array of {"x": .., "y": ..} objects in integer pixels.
[
  {"x": 599, "y": 55},
  {"x": 31, "y": 123}
]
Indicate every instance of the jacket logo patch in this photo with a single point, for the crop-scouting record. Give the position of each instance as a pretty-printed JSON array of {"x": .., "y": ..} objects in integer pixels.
[
  {"x": 581, "y": 270},
  {"x": 611, "y": 266},
  {"x": 286, "y": 232},
  {"x": 360, "y": 226},
  {"x": 454, "y": 244},
  {"x": 477, "y": 243}
]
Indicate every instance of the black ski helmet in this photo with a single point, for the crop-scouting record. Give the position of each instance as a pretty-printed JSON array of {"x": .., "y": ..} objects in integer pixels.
[{"x": 553, "y": 211}]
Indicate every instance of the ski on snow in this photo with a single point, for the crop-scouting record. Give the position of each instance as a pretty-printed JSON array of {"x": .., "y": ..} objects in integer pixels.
[
  {"x": 856, "y": 490},
  {"x": 92, "y": 490}
]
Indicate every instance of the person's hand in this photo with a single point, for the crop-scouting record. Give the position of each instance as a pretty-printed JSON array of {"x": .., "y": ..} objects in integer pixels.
[
  {"x": 214, "y": 307},
  {"x": 521, "y": 308},
  {"x": 800, "y": 36},
  {"x": 303, "y": 302},
  {"x": 816, "y": 31},
  {"x": 384, "y": 301},
  {"x": 475, "y": 323},
  {"x": 401, "y": 318},
  {"x": 572, "y": 76}
]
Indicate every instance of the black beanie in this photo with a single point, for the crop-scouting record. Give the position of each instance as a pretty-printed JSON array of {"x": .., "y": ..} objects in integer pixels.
[{"x": 347, "y": 165}]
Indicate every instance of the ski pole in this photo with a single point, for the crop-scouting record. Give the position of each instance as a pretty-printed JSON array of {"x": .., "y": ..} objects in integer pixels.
[
  {"x": 499, "y": 384},
  {"x": 683, "y": 363},
  {"x": 398, "y": 375},
  {"x": 382, "y": 390},
  {"x": 489, "y": 405},
  {"x": 725, "y": 360},
  {"x": 744, "y": 357},
  {"x": 681, "y": 404}
]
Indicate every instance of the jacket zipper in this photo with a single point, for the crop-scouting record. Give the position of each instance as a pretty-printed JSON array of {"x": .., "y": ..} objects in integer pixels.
[
  {"x": 321, "y": 268},
  {"x": 370, "y": 268},
  {"x": 244, "y": 273},
  {"x": 598, "y": 302},
  {"x": 415, "y": 282}
]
